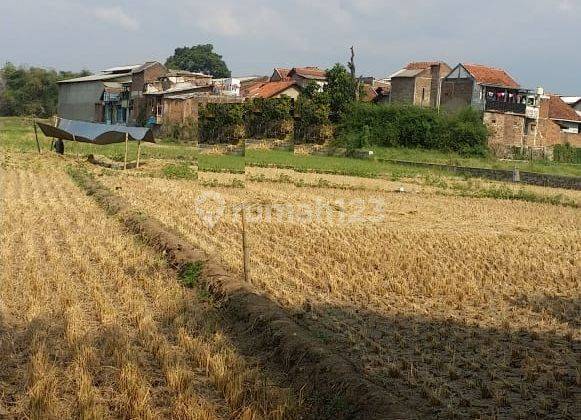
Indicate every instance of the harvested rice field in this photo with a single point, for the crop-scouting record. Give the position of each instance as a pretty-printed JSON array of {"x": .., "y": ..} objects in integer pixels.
[
  {"x": 94, "y": 324},
  {"x": 458, "y": 306}
]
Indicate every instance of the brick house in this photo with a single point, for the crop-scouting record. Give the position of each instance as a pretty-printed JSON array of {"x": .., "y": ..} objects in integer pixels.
[
  {"x": 480, "y": 87},
  {"x": 553, "y": 122},
  {"x": 559, "y": 123},
  {"x": 305, "y": 75},
  {"x": 140, "y": 77},
  {"x": 184, "y": 107},
  {"x": 574, "y": 102},
  {"x": 418, "y": 83}
]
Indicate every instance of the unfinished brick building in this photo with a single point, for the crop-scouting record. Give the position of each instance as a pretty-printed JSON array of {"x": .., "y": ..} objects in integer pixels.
[{"x": 419, "y": 83}]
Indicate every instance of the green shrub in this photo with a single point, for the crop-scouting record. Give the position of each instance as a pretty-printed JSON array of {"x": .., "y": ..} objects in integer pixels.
[
  {"x": 190, "y": 274},
  {"x": 413, "y": 127},
  {"x": 221, "y": 123},
  {"x": 186, "y": 131},
  {"x": 312, "y": 124},
  {"x": 180, "y": 171},
  {"x": 268, "y": 118},
  {"x": 565, "y": 153}
]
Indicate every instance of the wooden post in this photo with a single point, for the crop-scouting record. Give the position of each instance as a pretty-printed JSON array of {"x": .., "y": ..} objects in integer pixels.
[
  {"x": 126, "y": 150},
  {"x": 56, "y": 123},
  {"x": 138, "y": 153},
  {"x": 75, "y": 143},
  {"x": 245, "y": 250},
  {"x": 36, "y": 136}
]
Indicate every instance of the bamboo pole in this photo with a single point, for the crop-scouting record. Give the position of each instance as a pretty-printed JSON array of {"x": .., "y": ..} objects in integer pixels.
[
  {"x": 75, "y": 144},
  {"x": 126, "y": 150},
  {"x": 138, "y": 153},
  {"x": 245, "y": 250},
  {"x": 36, "y": 136}
]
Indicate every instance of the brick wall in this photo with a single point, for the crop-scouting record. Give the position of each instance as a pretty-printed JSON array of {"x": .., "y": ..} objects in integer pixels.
[
  {"x": 423, "y": 91},
  {"x": 456, "y": 94},
  {"x": 505, "y": 129},
  {"x": 402, "y": 90},
  {"x": 573, "y": 139}
]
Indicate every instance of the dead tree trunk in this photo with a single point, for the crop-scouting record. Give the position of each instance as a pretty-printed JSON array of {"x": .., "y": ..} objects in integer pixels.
[{"x": 356, "y": 82}]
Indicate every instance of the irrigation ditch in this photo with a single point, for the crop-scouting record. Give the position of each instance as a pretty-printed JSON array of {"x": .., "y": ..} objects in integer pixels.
[{"x": 341, "y": 390}]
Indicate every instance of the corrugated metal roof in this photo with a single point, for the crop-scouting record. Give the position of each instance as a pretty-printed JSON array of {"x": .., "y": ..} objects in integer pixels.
[
  {"x": 407, "y": 73},
  {"x": 99, "y": 77},
  {"x": 101, "y": 134},
  {"x": 145, "y": 66},
  {"x": 226, "y": 98},
  {"x": 177, "y": 73},
  {"x": 178, "y": 89},
  {"x": 571, "y": 100},
  {"x": 128, "y": 68}
]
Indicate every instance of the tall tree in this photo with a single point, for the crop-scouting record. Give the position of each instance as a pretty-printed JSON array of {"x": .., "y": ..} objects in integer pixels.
[
  {"x": 342, "y": 90},
  {"x": 199, "y": 58}
]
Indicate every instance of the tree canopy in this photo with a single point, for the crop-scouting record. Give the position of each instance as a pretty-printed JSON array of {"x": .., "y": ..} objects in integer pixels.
[
  {"x": 199, "y": 58},
  {"x": 341, "y": 89},
  {"x": 31, "y": 90}
]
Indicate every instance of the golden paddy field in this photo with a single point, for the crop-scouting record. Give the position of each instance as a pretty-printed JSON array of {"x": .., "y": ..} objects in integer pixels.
[{"x": 458, "y": 306}]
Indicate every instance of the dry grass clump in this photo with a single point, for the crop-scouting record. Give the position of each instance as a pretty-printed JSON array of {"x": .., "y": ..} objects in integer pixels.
[
  {"x": 458, "y": 306},
  {"x": 94, "y": 324}
]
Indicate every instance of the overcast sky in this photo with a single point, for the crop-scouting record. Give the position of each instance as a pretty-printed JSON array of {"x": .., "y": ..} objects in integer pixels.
[{"x": 537, "y": 41}]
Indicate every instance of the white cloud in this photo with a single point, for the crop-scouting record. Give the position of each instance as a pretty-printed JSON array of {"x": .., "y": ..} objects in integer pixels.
[
  {"x": 116, "y": 16},
  {"x": 566, "y": 5}
]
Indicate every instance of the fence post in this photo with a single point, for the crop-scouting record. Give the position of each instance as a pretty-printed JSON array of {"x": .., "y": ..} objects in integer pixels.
[
  {"x": 245, "y": 250},
  {"x": 515, "y": 175}
]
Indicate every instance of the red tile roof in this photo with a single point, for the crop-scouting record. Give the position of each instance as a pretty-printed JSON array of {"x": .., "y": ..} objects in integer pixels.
[
  {"x": 282, "y": 72},
  {"x": 309, "y": 72},
  {"x": 422, "y": 65},
  {"x": 491, "y": 76},
  {"x": 268, "y": 89},
  {"x": 559, "y": 110}
]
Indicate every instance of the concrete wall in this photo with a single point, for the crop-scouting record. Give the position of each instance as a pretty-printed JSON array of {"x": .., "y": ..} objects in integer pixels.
[
  {"x": 77, "y": 100},
  {"x": 530, "y": 178}
]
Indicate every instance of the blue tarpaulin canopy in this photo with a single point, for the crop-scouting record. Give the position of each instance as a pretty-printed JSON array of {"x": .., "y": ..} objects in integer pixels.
[{"x": 101, "y": 134}]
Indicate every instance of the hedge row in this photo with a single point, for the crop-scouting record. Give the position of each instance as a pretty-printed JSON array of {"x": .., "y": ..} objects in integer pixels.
[
  {"x": 410, "y": 126},
  {"x": 566, "y": 153},
  {"x": 258, "y": 118}
]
